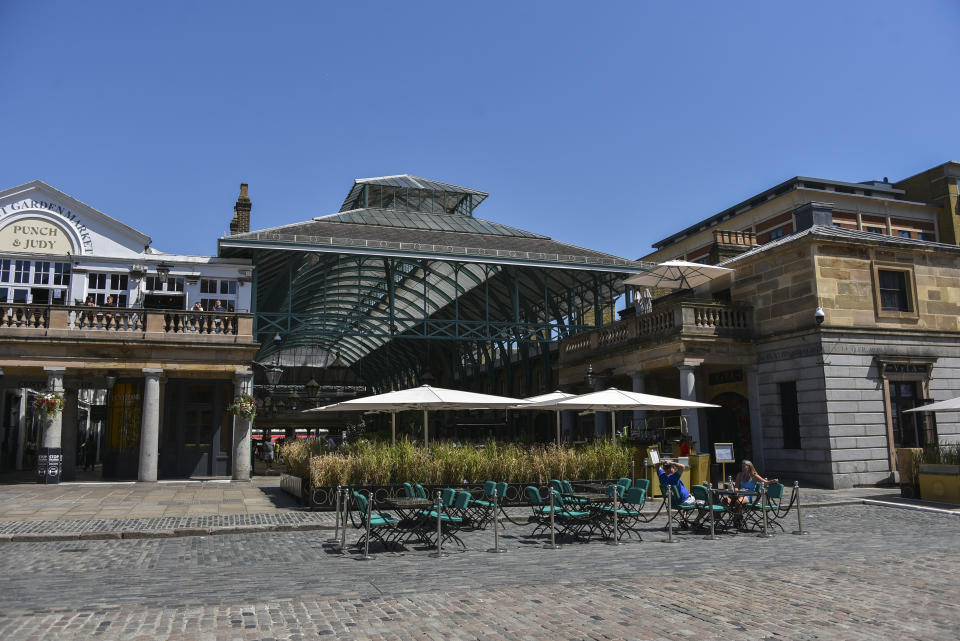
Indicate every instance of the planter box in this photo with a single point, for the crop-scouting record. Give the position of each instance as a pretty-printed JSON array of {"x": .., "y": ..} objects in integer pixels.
[
  {"x": 940, "y": 483},
  {"x": 292, "y": 485}
]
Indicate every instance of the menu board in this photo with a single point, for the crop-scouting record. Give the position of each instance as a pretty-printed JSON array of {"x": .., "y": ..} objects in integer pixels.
[
  {"x": 654, "y": 456},
  {"x": 723, "y": 453}
]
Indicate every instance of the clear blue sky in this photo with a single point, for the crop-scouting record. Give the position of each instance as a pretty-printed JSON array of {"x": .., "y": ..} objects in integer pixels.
[{"x": 608, "y": 125}]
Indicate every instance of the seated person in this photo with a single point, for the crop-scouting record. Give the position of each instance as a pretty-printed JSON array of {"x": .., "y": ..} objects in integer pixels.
[
  {"x": 669, "y": 474},
  {"x": 747, "y": 480}
]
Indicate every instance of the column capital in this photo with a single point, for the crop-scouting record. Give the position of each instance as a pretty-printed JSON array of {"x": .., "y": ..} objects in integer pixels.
[
  {"x": 242, "y": 375},
  {"x": 689, "y": 363},
  {"x": 152, "y": 371},
  {"x": 53, "y": 370}
]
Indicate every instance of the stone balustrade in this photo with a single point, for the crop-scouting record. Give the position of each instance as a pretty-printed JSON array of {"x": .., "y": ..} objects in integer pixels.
[
  {"x": 704, "y": 319},
  {"x": 130, "y": 324}
]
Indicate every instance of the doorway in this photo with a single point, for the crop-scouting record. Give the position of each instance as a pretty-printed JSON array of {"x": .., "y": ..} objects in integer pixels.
[
  {"x": 197, "y": 433},
  {"x": 730, "y": 423}
]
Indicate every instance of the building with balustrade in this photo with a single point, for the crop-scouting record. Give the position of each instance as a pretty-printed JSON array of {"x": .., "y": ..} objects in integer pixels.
[
  {"x": 146, "y": 348},
  {"x": 819, "y": 401}
]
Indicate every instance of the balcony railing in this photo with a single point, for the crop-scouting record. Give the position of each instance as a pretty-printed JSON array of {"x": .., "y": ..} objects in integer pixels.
[
  {"x": 91, "y": 322},
  {"x": 685, "y": 318}
]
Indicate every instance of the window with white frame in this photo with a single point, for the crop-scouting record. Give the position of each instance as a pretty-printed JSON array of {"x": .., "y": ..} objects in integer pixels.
[
  {"x": 217, "y": 289},
  {"x": 102, "y": 286},
  {"x": 172, "y": 284},
  {"x": 41, "y": 282}
]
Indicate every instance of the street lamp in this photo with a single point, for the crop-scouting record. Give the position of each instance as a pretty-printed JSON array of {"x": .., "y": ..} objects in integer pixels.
[
  {"x": 275, "y": 372},
  {"x": 163, "y": 272},
  {"x": 312, "y": 388}
]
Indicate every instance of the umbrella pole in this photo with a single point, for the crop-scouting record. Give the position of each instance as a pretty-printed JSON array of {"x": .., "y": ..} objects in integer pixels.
[
  {"x": 613, "y": 425},
  {"x": 426, "y": 435},
  {"x": 393, "y": 428},
  {"x": 558, "y": 428}
]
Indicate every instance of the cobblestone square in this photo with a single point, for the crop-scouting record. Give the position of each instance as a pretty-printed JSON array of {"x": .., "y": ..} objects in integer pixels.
[{"x": 863, "y": 572}]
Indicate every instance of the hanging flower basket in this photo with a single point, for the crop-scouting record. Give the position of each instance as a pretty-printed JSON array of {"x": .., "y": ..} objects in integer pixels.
[
  {"x": 244, "y": 406},
  {"x": 49, "y": 404}
]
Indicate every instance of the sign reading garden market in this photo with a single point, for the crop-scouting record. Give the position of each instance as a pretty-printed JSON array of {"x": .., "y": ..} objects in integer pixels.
[{"x": 41, "y": 235}]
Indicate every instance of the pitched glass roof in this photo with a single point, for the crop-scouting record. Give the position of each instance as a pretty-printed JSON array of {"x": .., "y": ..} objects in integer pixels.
[{"x": 427, "y": 221}]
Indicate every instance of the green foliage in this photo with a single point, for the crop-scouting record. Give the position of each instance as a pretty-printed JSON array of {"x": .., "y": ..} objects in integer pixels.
[
  {"x": 945, "y": 454},
  {"x": 370, "y": 463}
]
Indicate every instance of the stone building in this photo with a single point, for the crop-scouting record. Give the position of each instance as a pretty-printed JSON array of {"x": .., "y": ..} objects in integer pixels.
[
  {"x": 822, "y": 402},
  {"x": 92, "y": 312}
]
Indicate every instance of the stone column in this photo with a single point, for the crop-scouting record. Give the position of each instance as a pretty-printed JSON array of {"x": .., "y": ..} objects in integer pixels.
[
  {"x": 54, "y": 425},
  {"x": 688, "y": 392},
  {"x": 639, "y": 387},
  {"x": 756, "y": 426},
  {"x": 21, "y": 427},
  {"x": 242, "y": 429},
  {"x": 68, "y": 436},
  {"x": 568, "y": 419},
  {"x": 150, "y": 426},
  {"x": 600, "y": 418}
]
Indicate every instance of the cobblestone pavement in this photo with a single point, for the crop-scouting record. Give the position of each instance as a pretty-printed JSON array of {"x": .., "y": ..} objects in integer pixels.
[{"x": 863, "y": 572}]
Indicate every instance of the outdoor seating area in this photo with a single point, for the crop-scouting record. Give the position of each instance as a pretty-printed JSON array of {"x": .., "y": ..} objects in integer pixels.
[{"x": 560, "y": 512}]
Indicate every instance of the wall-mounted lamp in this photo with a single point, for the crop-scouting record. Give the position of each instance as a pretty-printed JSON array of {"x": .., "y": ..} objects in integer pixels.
[{"x": 163, "y": 272}]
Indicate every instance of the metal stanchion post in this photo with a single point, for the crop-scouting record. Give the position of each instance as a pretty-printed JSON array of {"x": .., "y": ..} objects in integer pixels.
[
  {"x": 669, "y": 538},
  {"x": 765, "y": 534},
  {"x": 552, "y": 545},
  {"x": 710, "y": 507},
  {"x": 366, "y": 540},
  {"x": 346, "y": 511},
  {"x": 439, "y": 553},
  {"x": 633, "y": 470},
  {"x": 616, "y": 534},
  {"x": 496, "y": 536},
  {"x": 799, "y": 530},
  {"x": 336, "y": 530}
]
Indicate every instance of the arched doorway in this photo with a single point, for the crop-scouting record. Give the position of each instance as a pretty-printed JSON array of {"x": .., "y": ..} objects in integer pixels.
[{"x": 730, "y": 423}]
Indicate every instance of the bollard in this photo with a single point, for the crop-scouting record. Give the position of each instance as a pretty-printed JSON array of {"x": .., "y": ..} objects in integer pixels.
[
  {"x": 669, "y": 538},
  {"x": 552, "y": 545},
  {"x": 765, "y": 534},
  {"x": 345, "y": 504},
  {"x": 633, "y": 470},
  {"x": 799, "y": 530},
  {"x": 713, "y": 535},
  {"x": 616, "y": 506},
  {"x": 366, "y": 541},
  {"x": 336, "y": 529},
  {"x": 496, "y": 549},
  {"x": 439, "y": 553}
]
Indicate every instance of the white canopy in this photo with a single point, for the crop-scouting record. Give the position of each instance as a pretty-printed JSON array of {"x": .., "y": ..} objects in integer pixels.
[
  {"x": 677, "y": 274},
  {"x": 613, "y": 400},
  {"x": 423, "y": 398},
  {"x": 550, "y": 397},
  {"x": 950, "y": 405}
]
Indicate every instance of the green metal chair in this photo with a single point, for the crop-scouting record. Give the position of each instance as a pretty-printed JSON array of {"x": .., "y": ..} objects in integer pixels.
[
  {"x": 541, "y": 509},
  {"x": 382, "y": 525},
  {"x": 682, "y": 512},
  {"x": 705, "y": 504}
]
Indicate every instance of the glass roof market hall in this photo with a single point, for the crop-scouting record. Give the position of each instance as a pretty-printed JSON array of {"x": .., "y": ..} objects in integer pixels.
[{"x": 405, "y": 285}]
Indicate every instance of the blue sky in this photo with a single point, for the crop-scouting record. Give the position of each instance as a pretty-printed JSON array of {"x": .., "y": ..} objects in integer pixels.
[{"x": 607, "y": 125}]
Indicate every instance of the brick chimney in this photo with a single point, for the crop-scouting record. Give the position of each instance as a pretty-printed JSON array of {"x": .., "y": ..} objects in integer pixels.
[{"x": 241, "y": 212}]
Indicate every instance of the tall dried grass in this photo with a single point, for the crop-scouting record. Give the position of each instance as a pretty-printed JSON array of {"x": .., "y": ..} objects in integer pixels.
[{"x": 369, "y": 463}]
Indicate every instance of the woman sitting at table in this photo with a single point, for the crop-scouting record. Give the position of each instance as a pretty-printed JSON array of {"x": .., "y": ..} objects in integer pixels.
[{"x": 747, "y": 480}]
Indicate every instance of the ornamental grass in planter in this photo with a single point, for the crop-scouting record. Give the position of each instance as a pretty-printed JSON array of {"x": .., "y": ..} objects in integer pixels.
[
  {"x": 939, "y": 474},
  {"x": 369, "y": 463}
]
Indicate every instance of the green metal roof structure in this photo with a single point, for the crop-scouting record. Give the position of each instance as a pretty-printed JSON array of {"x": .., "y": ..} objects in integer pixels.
[{"x": 404, "y": 281}]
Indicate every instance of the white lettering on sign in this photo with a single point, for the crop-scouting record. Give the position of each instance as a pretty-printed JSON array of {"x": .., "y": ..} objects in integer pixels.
[
  {"x": 35, "y": 235},
  {"x": 32, "y": 203}
]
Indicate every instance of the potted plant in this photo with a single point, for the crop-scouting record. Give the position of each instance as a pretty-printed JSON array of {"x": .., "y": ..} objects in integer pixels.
[
  {"x": 939, "y": 473},
  {"x": 244, "y": 406},
  {"x": 49, "y": 404}
]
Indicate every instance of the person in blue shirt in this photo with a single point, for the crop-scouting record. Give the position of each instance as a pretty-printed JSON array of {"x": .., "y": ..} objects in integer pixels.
[
  {"x": 747, "y": 481},
  {"x": 669, "y": 474}
]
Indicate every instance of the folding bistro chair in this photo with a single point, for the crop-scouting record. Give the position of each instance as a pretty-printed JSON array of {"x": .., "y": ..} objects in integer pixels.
[
  {"x": 682, "y": 512},
  {"x": 705, "y": 504},
  {"x": 771, "y": 504},
  {"x": 568, "y": 494},
  {"x": 501, "y": 496},
  {"x": 571, "y": 520},
  {"x": 628, "y": 511},
  {"x": 541, "y": 509},
  {"x": 382, "y": 526}
]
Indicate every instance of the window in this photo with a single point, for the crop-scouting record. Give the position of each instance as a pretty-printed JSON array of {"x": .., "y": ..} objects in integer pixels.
[
  {"x": 926, "y": 235},
  {"x": 5, "y": 270},
  {"x": 875, "y": 230},
  {"x": 776, "y": 233},
  {"x": 153, "y": 284},
  {"x": 213, "y": 289},
  {"x": 21, "y": 271},
  {"x": 41, "y": 273},
  {"x": 904, "y": 234},
  {"x": 100, "y": 286},
  {"x": 909, "y": 430},
  {"x": 61, "y": 274},
  {"x": 893, "y": 290},
  {"x": 790, "y": 415}
]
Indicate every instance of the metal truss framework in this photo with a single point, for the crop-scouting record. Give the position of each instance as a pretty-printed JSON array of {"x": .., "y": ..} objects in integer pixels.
[{"x": 396, "y": 319}]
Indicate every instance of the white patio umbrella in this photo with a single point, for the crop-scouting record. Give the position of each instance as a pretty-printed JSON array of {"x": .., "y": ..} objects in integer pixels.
[
  {"x": 677, "y": 274},
  {"x": 950, "y": 405},
  {"x": 553, "y": 397},
  {"x": 613, "y": 400},
  {"x": 424, "y": 398}
]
